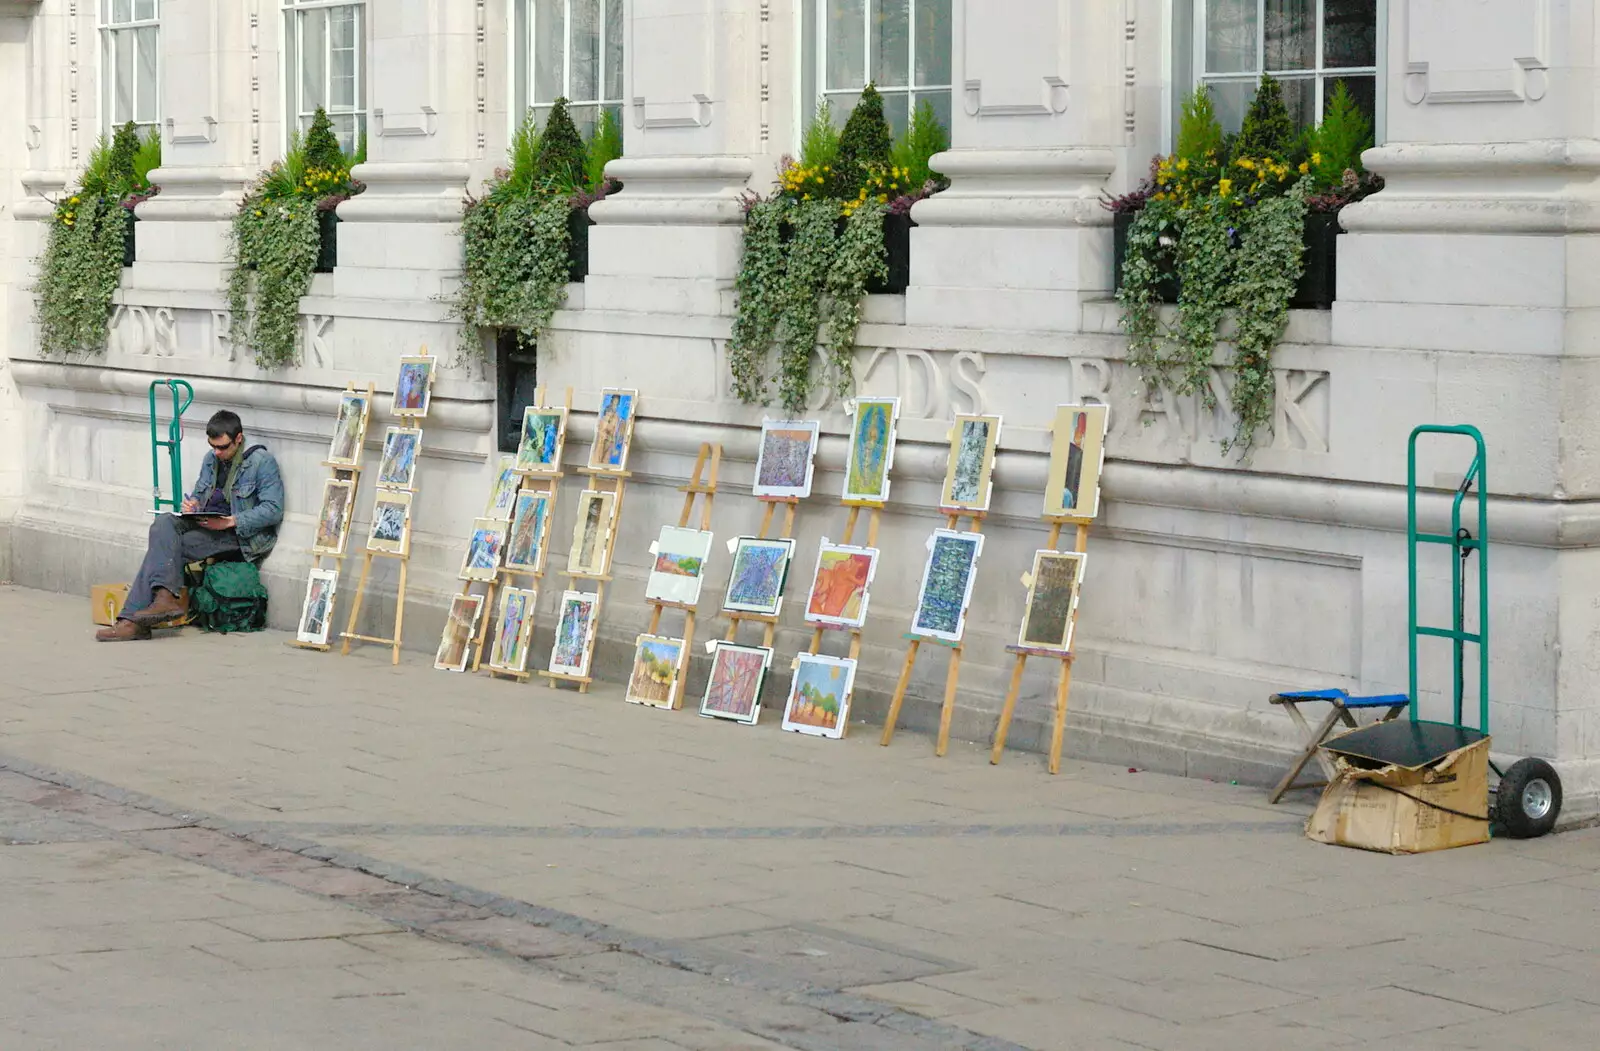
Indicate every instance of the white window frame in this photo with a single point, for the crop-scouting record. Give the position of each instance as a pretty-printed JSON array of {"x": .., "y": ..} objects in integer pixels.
[
  {"x": 1317, "y": 72},
  {"x": 109, "y": 31},
  {"x": 912, "y": 90},
  {"x": 523, "y": 101},
  {"x": 299, "y": 115}
]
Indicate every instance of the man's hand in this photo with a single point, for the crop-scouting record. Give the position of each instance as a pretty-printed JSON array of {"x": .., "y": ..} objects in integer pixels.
[
  {"x": 217, "y": 524},
  {"x": 190, "y": 504}
]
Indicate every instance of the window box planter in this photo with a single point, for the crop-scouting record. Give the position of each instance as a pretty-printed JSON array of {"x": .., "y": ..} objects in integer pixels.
[
  {"x": 1317, "y": 277},
  {"x": 578, "y": 223},
  {"x": 896, "y": 247},
  {"x": 127, "y": 237},
  {"x": 327, "y": 242}
]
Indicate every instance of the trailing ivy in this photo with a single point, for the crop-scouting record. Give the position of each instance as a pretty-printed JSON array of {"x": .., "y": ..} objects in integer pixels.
[
  {"x": 809, "y": 258},
  {"x": 1266, "y": 269},
  {"x": 81, "y": 267},
  {"x": 760, "y": 289},
  {"x": 858, "y": 258}
]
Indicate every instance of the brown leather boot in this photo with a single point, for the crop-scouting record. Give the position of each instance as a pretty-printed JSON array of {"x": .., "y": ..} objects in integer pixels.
[
  {"x": 166, "y": 606},
  {"x": 123, "y": 631}
]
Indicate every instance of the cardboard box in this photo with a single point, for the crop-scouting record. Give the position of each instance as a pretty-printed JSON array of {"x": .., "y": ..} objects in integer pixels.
[
  {"x": 105, "y": 601},
  {"x": 1406, "y": 809}
]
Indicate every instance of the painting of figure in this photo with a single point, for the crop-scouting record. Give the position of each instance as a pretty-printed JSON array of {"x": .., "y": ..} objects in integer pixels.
[
  {"x": 513, "y": 630},
  {"x": 839, "y": 586},
  {"x": 316, "y": 614},
  {"x": 947, "y": 581},
  {"x": 971, "y": 464},
  {"x": 819, "y": 695},
  {"x": 871, "y": 450},
  {"x": 1077, "y": 454},
  {"x": 391, "y": 523},
  {"x": 785, "y": 462},
  {"x": 525, "y": 547},
  {"x": 734, "y": 689},
  {"x": 760, "y": 569},
  {"x": 1047, "y": 618},
  {"x": 456, "y": 640},
  {"x": 484, "y": 550},
  {"x": 401, "y": 446},
  {"x": 413, "y": 388},
  {"x": 544, "y": 432},
  {"x": 613, "y": 430},
  {"x": 349, "y": 430},
  {"x": 570, "y": 654},
  {"x": 591, "y": 533},
  {"x": 333, "y": 520},
  {"x": 657, "y": 662}
]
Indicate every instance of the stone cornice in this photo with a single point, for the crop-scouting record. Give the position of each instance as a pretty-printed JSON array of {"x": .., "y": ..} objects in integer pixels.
[
  {"x": 1037, "y": 188},
  {"x": 423, "y": 192},
  {"x": 676, "y": 191}
]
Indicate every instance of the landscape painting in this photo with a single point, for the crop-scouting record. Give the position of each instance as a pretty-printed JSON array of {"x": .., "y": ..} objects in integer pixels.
[
  {"x": 967, "y": 476},
  {"x": 734, "y": 689},
  {"x": 413, "y": 388},
  {"x": 839, "y": 587},
  {"x": 866, "y": 478},
  {"x": 947, "y": 581},
  {"x": 570, "y": 654},
  {"x": 504, "y": 494},
  {"x": 513, "y": 630},
  {"x": 785, "y": 463},
  {"x": 819, "y": 695},
  {"x": 391, "y": 523},
  {"x": 657, "y": 664},
  {"x": 401, "y": 447},
  {"x": 760, "y": 570},
  {"x": 459, "y": 627},
  {"x": 544, "y": 432},
  {"x": 591, "y": 533},
  {"x": 1077, "y": 455},
  {"x": 349, "y": 430},
  {"x": 333, "y": 520},
  {"x": 1048, "y": 617},
  {"x": 484, "y": 550},
  {"x": 526, "y": 547},
  {"x": 316, "y": 613},
  {"x": 613, "y": 430},
  {"x": 679, "y": 567}
]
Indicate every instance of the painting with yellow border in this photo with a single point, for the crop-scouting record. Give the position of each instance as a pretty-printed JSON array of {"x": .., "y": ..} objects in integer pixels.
[{"x": 1077, "y": 455}]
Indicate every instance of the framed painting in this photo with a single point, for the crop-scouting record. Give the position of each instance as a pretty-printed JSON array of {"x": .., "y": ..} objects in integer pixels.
[
  {"x": 333, "y": 519},
  {"x": 613, "y": 430},
  {"x": 657, "y": 676},
  {"x": 401, "y": 448},
  {"x": 513, "y": 630},
  {"x": 485, "y": 550},
  {"x": 968, "y": 477},
  {"x": 316, "y": 612},
  {"x": 350, "y": 429},
  {"x": 503, "y": 497},
  {"x": 1048, "y": 617},
  {"x": 786, "y": 459},
  {"x": 455, "y": 642},
  {"x": 866, "y": 473},
  {"x": 591, "y": 533},
  {"x": 839, "y": 586},
  {"x": 819, "y": 695},
  {"x": 760, "y": 571},
  {"x": 525, "y": 545},
  {"x": 574, "y": 628},
  {"x": 947, "y": 580},
  {"x": 1077, "y": 455},
  {"x": 734, "y": 689},
  {"x": 544, "y": 435},
  {"x": 679, "y": 566},
  {"x": 413, "y": 387},
  {"x": 391, "y": 523}
]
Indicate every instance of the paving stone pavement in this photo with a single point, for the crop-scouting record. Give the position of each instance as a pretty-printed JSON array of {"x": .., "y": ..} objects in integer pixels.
[{"x": 332, "y": 851}]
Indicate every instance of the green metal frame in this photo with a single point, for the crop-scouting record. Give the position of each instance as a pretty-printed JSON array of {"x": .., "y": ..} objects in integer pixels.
[
  {"x": 1461, "y": 546},
  {"x": 173, "y": 443}
]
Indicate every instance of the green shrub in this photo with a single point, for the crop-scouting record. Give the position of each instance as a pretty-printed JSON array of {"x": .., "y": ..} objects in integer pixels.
[
  {"x": 322, "y": 145},
  {"x": 924, "y": 137},
  {"x": 819, "y": 147},
  {"x": 1335, "y": 145},
  {"x": 560, "y": 163},
  {"x": 119, "y": 168},
  {"x": 1200, "y": 139},
  {"x": 604, "y": 147},
  {"x": 146, "y": 160},
  {"x": 864, "y": 147},
  {"x": 1267, "y": 131}
]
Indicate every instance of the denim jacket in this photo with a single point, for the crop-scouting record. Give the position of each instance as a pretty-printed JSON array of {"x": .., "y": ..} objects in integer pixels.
[{"x": 256, "y": 498}]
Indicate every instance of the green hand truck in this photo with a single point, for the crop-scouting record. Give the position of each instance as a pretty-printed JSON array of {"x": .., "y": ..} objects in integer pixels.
[
  {"x": 1527, "y": 800},
  {"x": 182, "y": 398}
]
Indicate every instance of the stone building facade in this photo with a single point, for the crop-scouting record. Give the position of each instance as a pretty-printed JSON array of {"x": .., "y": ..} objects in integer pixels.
[{"x": 1464, "y": 295}]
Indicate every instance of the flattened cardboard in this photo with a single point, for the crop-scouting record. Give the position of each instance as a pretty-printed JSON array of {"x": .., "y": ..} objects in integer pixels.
[
  {"x": 105, "y": 602},
  {"x": 1396, "y": 809}
]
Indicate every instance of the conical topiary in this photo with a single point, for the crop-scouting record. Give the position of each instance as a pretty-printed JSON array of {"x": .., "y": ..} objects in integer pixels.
[
  {"x": 561, "y": 162},
  {"x": 865, "y": 144},
  {"x": 1199, "y": 133},
  {"x": 119, "y": 170},
  {"x": 322, "y": 145},
  {"x": 1268, "y": 130}
]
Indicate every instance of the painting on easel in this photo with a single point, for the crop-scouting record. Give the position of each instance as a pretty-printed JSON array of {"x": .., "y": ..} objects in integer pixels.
[
  {"x": 734, "y": 689},
  {"x": 350, "y": 430},
  {"x": 391, "y": 523},
  {"x": 526, "y": 547},
  {"x": 333, "y": 520},
  {"x": 316, "y": 613},
  {"x": 866, "y": 477},
  {"x": 947, "y": 581},
  {"x": 1052, "y": 597},
  {"x": 839, "y": 585},
  {"x": 785, "y": 463},
  {"x": 967, "y": 476},
  {"x": 679, "y": 568},
  {"x": 591, "y": 533},
  {"x": 413, "y": 387},
  {"x": 504, "y": 494},
  {"x": 570, "y": 654},
  {"x": 401, "y": 448},
  {"x": 1077, "y": 455},
  {"x": 459, "y": 627},
  {"x": 819, "y": 695},
  {"x": 613, "y": 430},
  {"x": 513, "y": 630},
  {"x": 485, "y": 550},
  {"x": 760, "y": 570},
  {"x": 544, "y": 434},
  {"x": 657, "y": 671}
]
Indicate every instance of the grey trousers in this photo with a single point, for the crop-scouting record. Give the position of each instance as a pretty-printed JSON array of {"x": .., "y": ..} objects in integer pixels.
[{"x": 174, "y": 541}]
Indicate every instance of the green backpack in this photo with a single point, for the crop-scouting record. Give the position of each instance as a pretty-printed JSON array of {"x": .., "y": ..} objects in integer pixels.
[{"x": 230, "y": 598}]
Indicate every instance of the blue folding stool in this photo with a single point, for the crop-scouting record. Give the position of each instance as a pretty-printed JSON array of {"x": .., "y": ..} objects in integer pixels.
[{"x": 1340, "y": 705}]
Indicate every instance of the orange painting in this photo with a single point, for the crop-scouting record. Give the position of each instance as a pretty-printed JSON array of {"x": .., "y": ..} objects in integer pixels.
[{"x": 839, "y": 589}]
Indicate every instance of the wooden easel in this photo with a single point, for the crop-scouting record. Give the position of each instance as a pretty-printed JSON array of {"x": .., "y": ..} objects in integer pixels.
[
  {"x": 544, "y": 483},
  {"x": 619, "y": 480},
  {"x": 768, "y": 620},
  {"x": 344, "y": 473},
  {"x": 915, "y": 641},
  {"x": 1063, "y": 680},
  {"x": 709, "y": 453}
]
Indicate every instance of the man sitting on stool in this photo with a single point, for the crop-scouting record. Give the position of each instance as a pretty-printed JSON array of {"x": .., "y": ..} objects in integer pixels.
[{"x": 243, "y": 489}]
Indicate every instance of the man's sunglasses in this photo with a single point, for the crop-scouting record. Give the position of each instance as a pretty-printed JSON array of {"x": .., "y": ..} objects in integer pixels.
[{"x": 227, "y": 443}]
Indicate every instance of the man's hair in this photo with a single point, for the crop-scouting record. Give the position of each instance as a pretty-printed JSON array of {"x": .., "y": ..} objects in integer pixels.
[{"x": 225, "y": 424}]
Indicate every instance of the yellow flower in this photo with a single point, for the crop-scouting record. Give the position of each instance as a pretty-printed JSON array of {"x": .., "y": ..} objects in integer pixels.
[
  {"x": 1316, "y": 158},
  {"x": 260, "y": 214},
  {"x": 1246, "y": 163},
  {"x": 1225, "y": 187},
  {"x": 72, "y": 200},
  {"x": 1304, "y": 168},
  {"x": 1183, "y": 164}
]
